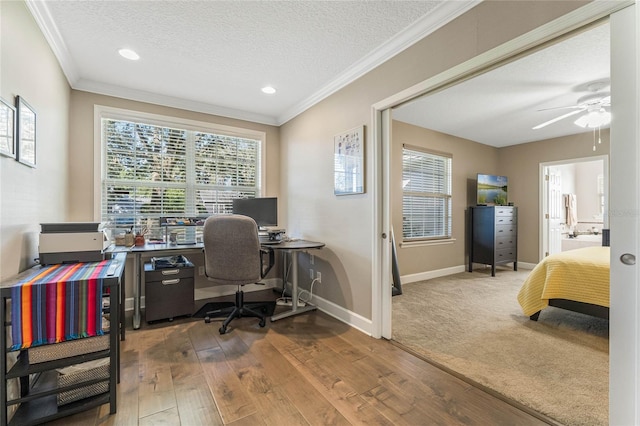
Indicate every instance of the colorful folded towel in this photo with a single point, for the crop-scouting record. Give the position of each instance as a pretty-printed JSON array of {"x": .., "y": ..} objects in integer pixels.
[{"x": 57, "y": 303}]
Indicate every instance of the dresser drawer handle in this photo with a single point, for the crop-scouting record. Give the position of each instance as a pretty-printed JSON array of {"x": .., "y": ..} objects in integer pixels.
[
  {"x": 170, "y": 271},
  {"x": 171, "y": 282}
]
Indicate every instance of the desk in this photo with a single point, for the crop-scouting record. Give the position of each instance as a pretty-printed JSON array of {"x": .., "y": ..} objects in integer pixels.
[
  {"x": 156, "y": 249},
  {"x": 293, "y": 248}
]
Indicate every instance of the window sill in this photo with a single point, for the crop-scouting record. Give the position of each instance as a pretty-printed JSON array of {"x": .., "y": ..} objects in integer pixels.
[{"x": 423, "y": 243}]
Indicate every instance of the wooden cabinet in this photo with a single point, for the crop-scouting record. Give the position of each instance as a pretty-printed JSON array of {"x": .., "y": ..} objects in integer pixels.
[
  {"x": 169, "y": 292},
  {"x": 42, "y": 394},
  {"x": 494, "y": 236}
]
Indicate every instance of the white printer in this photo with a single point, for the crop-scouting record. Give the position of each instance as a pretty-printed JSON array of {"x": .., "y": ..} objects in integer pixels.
[{"x": 71, "y": 242}]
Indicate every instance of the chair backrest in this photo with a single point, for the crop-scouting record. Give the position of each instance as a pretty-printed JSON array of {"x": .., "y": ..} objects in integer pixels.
[{"x": 231, "y": 250}]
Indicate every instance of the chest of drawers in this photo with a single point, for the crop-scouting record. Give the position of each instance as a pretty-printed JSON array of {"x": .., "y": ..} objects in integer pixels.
[{"x": 494, "y": 236}]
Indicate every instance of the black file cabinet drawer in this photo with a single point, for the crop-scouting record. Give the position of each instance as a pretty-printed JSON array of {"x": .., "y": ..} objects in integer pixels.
[{"x": 168, "y": 292}]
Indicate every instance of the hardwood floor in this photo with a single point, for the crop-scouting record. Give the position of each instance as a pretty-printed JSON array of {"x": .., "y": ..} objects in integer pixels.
[{"x": 307, "y": 369}]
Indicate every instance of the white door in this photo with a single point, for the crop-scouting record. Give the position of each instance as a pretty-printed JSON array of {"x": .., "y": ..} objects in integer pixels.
[
  {"x": 624, "y": 220},
  {"x": 555, "y": 210}
]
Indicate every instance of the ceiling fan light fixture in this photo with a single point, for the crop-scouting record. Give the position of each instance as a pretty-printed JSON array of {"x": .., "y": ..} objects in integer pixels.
[
  {"x": 129, "y": 54},
  {"x": 594, "y": 119}
]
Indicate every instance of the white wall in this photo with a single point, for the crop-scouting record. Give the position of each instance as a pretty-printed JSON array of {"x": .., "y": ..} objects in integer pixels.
[{"x": 30, "y": 196}]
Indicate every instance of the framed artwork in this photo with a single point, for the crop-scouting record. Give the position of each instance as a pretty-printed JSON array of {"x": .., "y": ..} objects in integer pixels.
[
  {"x": 7, "y": 129},
  {"x": 26, "y": 132},
  {"x": 349, "y": 162}
]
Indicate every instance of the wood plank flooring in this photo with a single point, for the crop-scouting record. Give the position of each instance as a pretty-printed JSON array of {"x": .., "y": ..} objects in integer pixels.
[{"x": 305, "y": 370}]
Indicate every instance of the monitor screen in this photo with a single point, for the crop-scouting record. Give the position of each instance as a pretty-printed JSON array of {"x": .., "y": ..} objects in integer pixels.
[{"x": 263, "y": 210}]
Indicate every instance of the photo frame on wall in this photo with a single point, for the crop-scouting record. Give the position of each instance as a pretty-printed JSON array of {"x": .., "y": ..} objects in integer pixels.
[
  {"x": 7, "y": 129},
  {"x": 26, "y": 131},
  {"x": 349, "y": 162}
]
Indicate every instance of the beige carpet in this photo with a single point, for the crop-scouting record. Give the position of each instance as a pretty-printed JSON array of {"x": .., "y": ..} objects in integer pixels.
[{"x": 472, "y": 324}]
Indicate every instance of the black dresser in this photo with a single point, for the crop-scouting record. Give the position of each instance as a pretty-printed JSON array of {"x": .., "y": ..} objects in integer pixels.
[{"x": 494, "y": 236}]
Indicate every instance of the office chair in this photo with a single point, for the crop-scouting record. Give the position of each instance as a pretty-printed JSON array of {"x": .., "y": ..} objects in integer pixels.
[{"x": 233, "y": 256}]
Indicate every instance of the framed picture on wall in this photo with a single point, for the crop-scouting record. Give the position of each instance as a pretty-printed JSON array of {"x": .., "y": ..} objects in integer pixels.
[
  {"x": 7, "y": 129},
  {"x": 349, "y": 162},
  {"x": 26, "y": 132}
]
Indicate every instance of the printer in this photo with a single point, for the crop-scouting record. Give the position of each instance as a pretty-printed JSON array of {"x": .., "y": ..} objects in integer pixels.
[{"x": 71, "y": 242}]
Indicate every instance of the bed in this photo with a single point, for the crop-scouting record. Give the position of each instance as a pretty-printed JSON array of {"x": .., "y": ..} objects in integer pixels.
[{"x": 576, "y": 280}]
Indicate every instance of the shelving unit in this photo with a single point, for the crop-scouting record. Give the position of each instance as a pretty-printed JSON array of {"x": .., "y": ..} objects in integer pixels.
[{"x": 38, "y": 382}]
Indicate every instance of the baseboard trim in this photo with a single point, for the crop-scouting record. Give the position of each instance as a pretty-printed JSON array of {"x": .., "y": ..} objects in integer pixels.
[
  {"x": 350, "y": 318},
  {"x": 428, "y": 275}
]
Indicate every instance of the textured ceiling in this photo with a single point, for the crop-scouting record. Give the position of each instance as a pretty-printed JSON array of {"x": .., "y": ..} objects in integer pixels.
[
  {"x": 215, "y": 56},
  {"x": 499, "y": 108}
]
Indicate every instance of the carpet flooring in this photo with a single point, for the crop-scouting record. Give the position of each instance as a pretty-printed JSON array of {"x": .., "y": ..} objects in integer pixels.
[{"x": 472, "y": 324}]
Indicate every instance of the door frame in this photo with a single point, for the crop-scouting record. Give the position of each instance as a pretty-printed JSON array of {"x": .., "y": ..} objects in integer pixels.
[{"x": 624, "y": 408}]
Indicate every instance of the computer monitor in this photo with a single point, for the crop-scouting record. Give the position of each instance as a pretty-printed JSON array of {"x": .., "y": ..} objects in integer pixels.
[{"x": 263, "y": 210}]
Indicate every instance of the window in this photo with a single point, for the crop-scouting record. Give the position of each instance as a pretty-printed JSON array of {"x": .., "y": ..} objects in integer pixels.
[
  {"x": 152, "y": 169},
  {"x": 426, "y": 194}
]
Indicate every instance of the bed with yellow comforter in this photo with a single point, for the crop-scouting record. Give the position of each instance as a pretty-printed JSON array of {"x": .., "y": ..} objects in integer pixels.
[{"x": 577, "y": 280}]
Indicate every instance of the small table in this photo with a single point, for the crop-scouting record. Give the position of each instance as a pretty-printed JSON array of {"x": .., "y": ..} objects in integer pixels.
[{"x": 293, "y": 248}]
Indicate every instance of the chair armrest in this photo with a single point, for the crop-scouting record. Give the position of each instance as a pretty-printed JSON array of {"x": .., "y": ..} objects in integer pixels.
[{"x": 264, "y": 269}]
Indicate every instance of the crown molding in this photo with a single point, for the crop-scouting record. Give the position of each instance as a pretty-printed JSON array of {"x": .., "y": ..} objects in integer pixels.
[
  {"x": 42, "y": 16},
  {"x": 443, "y": 14},
  {"x": 171, "y": 101}
]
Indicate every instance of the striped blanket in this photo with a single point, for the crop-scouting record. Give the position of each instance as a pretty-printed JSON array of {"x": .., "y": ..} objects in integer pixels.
[{"x": 57, "y": 303}]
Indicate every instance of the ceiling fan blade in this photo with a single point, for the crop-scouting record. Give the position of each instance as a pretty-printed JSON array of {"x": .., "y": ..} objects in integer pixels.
[{"x": 546, "y": 123}]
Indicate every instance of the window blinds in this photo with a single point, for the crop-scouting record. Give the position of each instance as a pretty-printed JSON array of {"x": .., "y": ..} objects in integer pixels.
[
  {"x": 152, "y": 171},
  {"x": 426, "y": 200}
]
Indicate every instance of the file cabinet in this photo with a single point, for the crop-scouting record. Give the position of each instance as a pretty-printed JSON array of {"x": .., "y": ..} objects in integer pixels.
[{"x": 168, "y": 292}]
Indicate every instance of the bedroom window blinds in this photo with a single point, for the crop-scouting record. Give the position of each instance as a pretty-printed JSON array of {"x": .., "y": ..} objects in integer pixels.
[
  {"x": 153, "y": 170},
  {"x": 426, "y": 194}
]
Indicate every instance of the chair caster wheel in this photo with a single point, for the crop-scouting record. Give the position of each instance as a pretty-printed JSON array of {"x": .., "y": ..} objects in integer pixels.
[
  {"x": 262, "y": 322},
  {"x": 207, "y": 320},
  {"x": 223, "y": 330}
]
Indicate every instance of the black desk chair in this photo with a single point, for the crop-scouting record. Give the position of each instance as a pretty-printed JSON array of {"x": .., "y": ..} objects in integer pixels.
[{"x": 233, "y": 256}]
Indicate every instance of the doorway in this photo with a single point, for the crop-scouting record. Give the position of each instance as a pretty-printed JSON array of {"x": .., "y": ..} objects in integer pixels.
[
  {"x": 625, "y": 380},
  {"x": 586, "y": 181}
]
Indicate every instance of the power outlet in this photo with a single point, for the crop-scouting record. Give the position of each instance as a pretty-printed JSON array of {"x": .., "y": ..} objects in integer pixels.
[
  {"x": 311, "y": 273},
  {"x": 319, "y": 276},
  {"x": 201, "y": 270}
]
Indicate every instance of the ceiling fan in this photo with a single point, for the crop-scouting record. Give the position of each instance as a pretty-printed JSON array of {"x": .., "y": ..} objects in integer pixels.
[{"x": 594, "y": 108}]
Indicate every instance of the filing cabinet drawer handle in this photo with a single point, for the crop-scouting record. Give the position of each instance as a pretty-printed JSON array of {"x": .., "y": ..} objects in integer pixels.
[
  {"x": 171, "y": 282},
  {"x": 170, "y": 271}
]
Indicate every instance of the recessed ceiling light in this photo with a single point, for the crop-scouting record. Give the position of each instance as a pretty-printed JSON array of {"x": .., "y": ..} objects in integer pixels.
[
  {"x": 129, "y": 54},
  {"x": 268, "y": 90}
]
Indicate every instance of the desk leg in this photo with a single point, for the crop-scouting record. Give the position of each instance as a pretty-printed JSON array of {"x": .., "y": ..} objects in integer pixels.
[
  {"x": 137, "y": 266},
  {"x": 295, "y": 309},
  {"x": 123, "y": 299}
]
